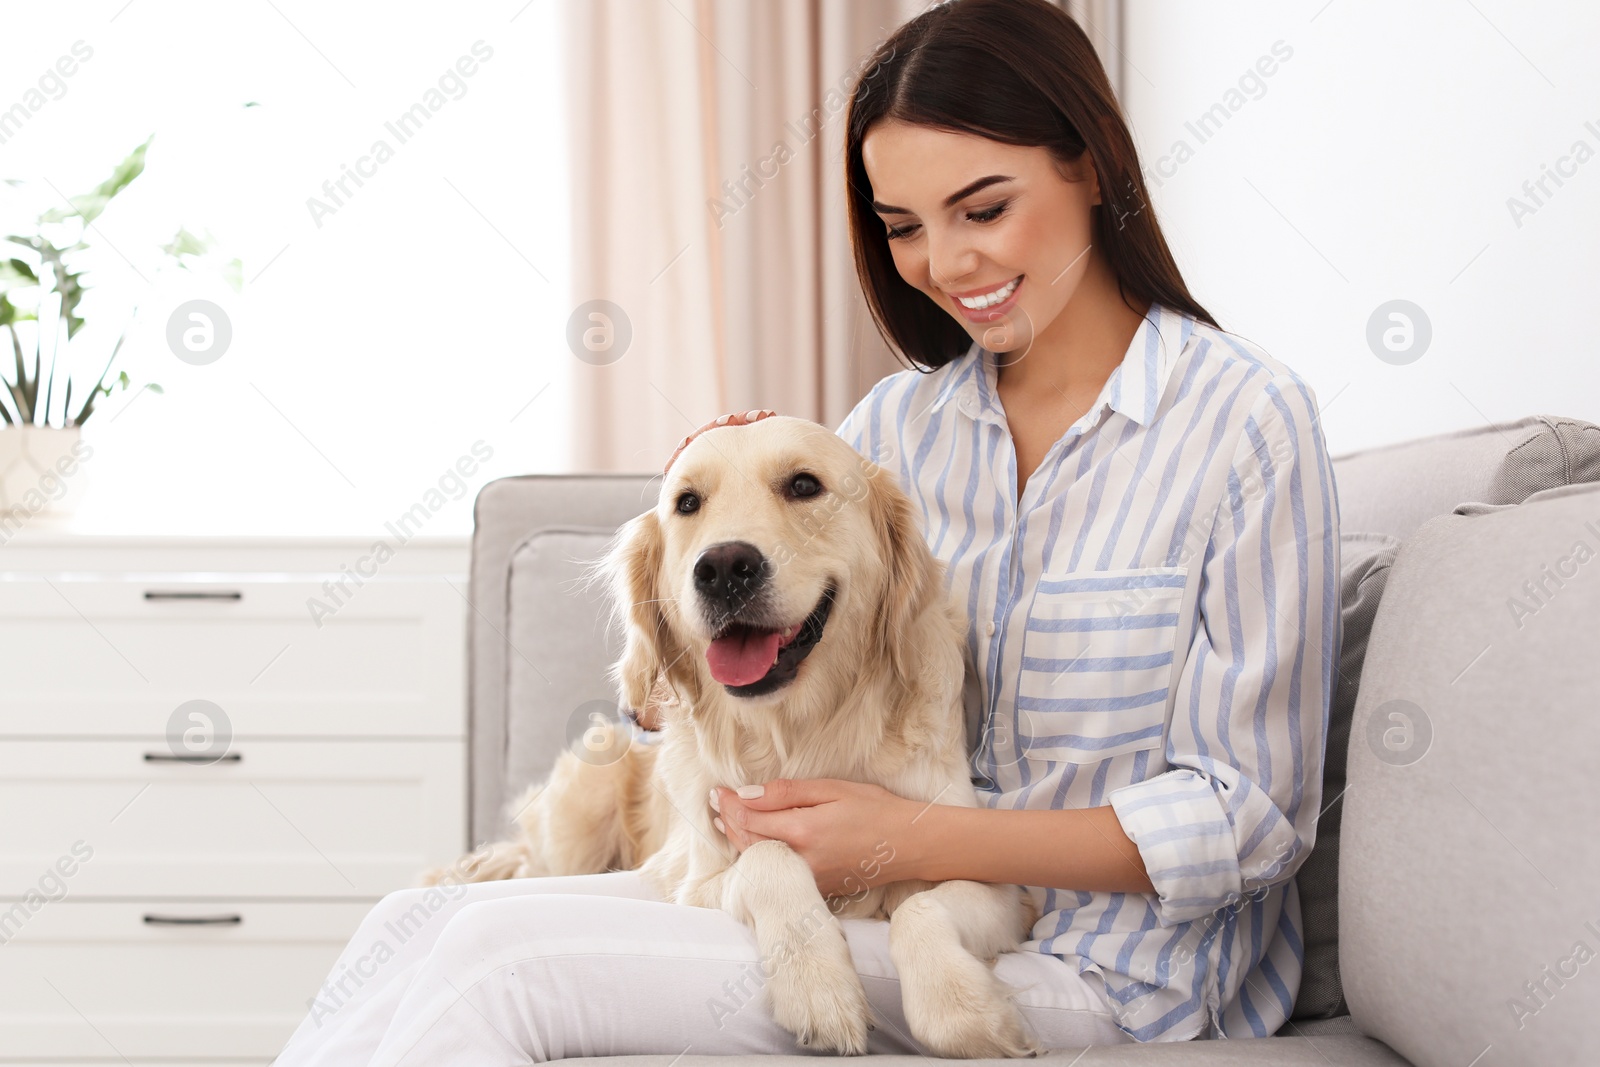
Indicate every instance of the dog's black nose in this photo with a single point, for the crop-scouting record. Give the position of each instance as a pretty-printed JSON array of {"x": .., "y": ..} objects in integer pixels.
[{"x": 730, "y": 573}]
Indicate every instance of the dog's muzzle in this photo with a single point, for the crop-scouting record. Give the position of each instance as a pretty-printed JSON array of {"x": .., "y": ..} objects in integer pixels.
[{"x": 751, "y": 653}]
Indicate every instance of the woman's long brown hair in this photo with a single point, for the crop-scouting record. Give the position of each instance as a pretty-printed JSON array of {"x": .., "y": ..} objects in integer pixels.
[{"x": 1021, "y": 72}]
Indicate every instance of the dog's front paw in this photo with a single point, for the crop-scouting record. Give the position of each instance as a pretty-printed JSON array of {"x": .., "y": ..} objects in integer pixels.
[
  {"x": 817, "y": 996},
  {"x": 965, "y": 1012}
]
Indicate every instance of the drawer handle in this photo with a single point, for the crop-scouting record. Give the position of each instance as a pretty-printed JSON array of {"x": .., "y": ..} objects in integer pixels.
[
  {"x": 194, "y": 920},
  {"x": 198, "y": 757},
  {"x": 193, "y": 594}
]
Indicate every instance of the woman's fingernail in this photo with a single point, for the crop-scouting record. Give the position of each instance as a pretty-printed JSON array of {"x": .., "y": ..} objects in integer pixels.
[
  {"x": 750, "y": 792},
  {"x": 721, "y": 829},
  {"x": 714, "y": 805}
]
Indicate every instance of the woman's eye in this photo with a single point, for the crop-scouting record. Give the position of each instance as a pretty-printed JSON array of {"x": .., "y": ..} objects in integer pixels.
[
  {"x": 688, "y": 504},
  {"x": 989, "y": 214},
  {"x": 804, "y": 485}
]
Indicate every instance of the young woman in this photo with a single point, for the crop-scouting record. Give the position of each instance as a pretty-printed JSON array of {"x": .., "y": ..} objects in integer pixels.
[{"x": 1138, "y": 512}]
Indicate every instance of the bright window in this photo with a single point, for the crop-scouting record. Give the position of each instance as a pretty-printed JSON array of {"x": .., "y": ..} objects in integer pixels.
[{"x": 402, "y": 326}]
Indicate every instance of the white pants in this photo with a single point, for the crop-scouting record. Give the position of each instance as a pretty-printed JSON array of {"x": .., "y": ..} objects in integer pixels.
[{"x": 536, "y": 969}]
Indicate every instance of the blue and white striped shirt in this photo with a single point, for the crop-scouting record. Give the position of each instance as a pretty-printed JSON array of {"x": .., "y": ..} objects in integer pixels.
[{"x": 1155, "y": 627}]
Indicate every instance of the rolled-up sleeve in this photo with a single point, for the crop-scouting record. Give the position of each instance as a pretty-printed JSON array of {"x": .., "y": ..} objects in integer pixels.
[{"x": 1236, "y": 810}]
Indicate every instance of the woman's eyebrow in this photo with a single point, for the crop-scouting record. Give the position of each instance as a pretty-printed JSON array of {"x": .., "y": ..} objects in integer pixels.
[{"x": 949, "y": 201}]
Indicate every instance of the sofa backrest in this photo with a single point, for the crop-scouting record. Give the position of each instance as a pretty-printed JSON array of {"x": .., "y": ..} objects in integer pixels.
[
  {"x": 1393, "y": 489},
  {"x": 1468, "y": 912}
]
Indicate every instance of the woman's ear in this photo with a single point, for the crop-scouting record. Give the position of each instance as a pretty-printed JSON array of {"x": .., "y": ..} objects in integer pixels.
[
  {"x": 633, "y": 566},
  {"x": 913, "y": 578},
  {"x": 1088, "y": 172},
  {"x": 1080, "y": 170}
]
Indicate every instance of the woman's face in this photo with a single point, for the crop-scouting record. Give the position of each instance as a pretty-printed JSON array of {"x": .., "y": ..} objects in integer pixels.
[{"x": 1001, "y": 226}]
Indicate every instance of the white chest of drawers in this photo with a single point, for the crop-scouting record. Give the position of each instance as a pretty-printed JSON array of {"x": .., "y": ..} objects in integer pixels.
[{"x": 215, "y": 754}]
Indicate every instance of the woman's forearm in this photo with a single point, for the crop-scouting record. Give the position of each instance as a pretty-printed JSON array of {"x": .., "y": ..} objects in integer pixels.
[{"x": 1074, "y": 848}]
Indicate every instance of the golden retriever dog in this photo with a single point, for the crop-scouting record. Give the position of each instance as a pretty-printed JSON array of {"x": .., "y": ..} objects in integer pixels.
[{"x": 782, "y": 592}]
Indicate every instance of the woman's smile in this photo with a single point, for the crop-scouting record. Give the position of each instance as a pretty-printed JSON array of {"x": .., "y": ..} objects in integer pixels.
[{"x": 987, "y": 305}]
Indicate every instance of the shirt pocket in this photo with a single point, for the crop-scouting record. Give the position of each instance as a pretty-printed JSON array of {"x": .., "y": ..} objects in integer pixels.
[{"x": 1097, "y": 662}]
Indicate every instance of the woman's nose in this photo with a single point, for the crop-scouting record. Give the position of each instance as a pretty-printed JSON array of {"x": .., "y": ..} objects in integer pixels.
[{"x": 950, "y": 259}]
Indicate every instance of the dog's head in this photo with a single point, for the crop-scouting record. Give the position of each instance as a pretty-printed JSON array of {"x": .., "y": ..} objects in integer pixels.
[{"x": 775, "y": 552}]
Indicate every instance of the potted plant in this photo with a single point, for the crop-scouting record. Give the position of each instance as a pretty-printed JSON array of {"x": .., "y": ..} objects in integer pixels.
[{"x": 45, "y": 403}]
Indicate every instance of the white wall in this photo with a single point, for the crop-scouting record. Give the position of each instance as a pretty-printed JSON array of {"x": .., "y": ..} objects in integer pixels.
[
  {"x": 376, "y": 349},
  {"x": 1375, "y": 163}
]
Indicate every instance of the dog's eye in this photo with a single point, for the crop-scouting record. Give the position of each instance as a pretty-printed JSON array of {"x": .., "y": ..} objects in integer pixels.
[
  {"x": 804, "y": 485},
  {"x": 688, "y": 504}
]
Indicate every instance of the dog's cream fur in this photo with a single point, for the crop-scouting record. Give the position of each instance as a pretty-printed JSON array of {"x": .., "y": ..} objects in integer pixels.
[{"x": 877, "y": 700}]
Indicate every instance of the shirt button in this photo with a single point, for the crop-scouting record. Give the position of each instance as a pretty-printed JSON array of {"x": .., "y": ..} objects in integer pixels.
[{"x": 988, "y": 628}]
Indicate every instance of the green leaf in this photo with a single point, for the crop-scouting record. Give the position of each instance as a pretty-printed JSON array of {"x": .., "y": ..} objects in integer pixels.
[
  {"x": 65, "y": 281},
  {"x": 100, "y": 387},
  {"x": 233, "y": 274},
  {"x": 154, "y": 388},
  {"x": 92, "y": 203},
  {"x": 184, "y": 243},
  {"x": 18, "y": 396},
  {"x": 30, "y": 388},
  {"x": 10, "y": 313},
  {"x": 16, "y": 273},
  {"x": 21, "y": 401},
  {"x": 50, "y": 385},
  {"x": 69, "y": 307},
  {"x": 22, "y": 373}
]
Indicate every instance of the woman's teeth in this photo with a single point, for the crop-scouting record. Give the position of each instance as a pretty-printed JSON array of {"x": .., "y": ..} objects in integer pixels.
[{"x": 988, "y": 299}]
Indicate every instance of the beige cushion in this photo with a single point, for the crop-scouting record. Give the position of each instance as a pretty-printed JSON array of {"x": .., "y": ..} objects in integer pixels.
[
  {"x": 1364, "y": 564},
  {"x": 560, "y": 649},
  {"x": 1384, "y": 494},
  {"x": 1466, "y": 872}
]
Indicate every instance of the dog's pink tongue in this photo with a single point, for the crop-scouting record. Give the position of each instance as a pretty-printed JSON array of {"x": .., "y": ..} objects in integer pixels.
[{"x": 743, "y": 658}]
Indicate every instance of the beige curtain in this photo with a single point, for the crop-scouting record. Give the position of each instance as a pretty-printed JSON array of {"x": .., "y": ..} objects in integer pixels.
[
  {"x": 706, "y": 142},
  {"x": 1102, "y": 21}
]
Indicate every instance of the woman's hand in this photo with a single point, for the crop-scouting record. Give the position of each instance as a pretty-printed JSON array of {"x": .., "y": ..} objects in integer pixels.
[{"x": 852, "y": 835}]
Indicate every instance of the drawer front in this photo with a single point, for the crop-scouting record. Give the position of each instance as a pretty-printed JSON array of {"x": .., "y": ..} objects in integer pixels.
[
  {"x": 324, "y": 819},
  {"x": 118, "y": 655},
  {"x": 97, "y": 981}
]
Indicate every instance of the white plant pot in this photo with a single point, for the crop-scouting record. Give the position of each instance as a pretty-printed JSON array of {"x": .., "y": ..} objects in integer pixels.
[{"x": 43, "y": 475}]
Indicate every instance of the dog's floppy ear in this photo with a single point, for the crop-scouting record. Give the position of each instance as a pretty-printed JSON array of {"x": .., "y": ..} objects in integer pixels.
[
  {"x": 913, "y": 582},
  {"x": 633, "y": 568}
]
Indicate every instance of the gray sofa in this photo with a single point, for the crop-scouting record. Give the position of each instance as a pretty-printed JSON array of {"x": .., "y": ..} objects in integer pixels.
[{"x": 1455, "y": 871}]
